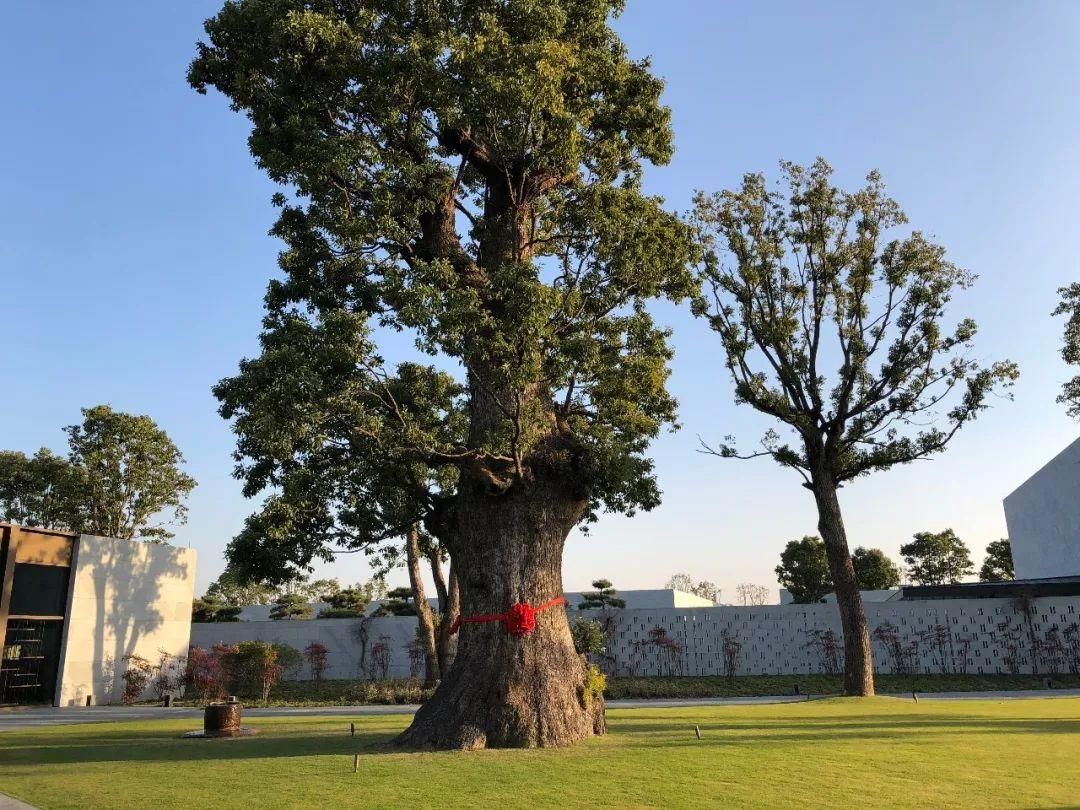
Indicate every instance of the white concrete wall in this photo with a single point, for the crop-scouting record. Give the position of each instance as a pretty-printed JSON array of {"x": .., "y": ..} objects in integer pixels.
[
  {"x": 948, "y": 635},
  {"x": 350, "y": 643},
  {"x": 125, "y": 598},
  {"x": 1043, "y": 515}
]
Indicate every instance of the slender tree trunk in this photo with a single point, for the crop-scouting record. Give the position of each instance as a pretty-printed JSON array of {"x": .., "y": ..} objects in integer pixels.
[
  {"x": 437, "y": 575},
  {"x": 424, "y": 618},
  {"x": 450, "y": 613},
  {"x": 858, "y": 658},
  {"x": 503, "y": 691}
]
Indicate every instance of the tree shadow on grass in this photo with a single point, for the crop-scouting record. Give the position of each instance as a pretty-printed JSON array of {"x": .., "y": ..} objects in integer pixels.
[{"x": 304, "y": 737}]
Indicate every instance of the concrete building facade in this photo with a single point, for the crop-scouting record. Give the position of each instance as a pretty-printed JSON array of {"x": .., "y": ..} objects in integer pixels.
[
  {"x": 73, "y": 606},
  {"x": 1043, "y": 516}
]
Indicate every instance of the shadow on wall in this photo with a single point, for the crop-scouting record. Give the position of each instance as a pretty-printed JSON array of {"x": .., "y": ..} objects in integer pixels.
[{"x": 128, "y": 598}]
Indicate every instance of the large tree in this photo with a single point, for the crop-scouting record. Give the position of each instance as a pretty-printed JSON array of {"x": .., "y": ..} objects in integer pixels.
[
  {"x": 998, "y": 564},
  {"x": 937, "y": 558},
  {"x": 874, "y": 571},
  {"x": 804, "y": 570},
  {"x": 43, "y": 490},
  {"x": 135, "y": 486},
  {"x": 123, "y": 477},
  {"x": 469, "y": 171},
  {"x": 804, "y": 278},
  {"x": 1070, "y": 349}
]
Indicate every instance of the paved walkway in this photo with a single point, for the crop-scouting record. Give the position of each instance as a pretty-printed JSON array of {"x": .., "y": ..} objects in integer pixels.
[
  {"x": 8, "y": 803},
  {"x": 20, "y": 718}
]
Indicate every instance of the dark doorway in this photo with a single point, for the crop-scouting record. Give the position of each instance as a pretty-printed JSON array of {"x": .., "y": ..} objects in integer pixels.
[{"x": 30, "y": 661}]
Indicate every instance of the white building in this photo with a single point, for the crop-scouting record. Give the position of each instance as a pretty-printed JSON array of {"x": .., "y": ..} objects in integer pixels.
[
  {"x": 1043, "y": 515},
  {"x": 73, "y": 606}
]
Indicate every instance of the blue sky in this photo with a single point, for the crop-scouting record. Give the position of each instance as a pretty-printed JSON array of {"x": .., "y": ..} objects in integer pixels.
[{"x": 134, "y": 249}]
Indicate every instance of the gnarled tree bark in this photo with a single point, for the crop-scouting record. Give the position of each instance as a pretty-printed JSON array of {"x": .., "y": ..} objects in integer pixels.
[{"x": 503, "y": 691}]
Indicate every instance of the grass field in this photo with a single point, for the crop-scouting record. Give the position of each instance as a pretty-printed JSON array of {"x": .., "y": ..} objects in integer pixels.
[
  {"x": 835, "y": 752},
  {"x": 354, "y": 692}
]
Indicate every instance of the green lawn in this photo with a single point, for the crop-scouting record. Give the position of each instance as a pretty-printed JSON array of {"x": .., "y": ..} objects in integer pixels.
[{"x": 836, "y": 752}]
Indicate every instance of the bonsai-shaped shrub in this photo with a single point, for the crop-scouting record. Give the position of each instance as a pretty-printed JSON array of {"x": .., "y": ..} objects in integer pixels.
[
  {"x": 136, "y": 676},
  {"x": 291, "y": 606},
  {"x": 398, "y": 602},
  {"x": 349, "y": 603},
  {"x": 604, "y": 597},
  {"x": 315, "y": 653}
]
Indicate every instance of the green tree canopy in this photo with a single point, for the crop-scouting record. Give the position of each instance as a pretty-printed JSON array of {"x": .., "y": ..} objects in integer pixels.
[
  {"x": 937, "y": 558},
  {"x": 229, "y": 590},
  {"x": 998, "y": 564},
  {"x": 213, "y": 609},
  {"x": 43, "y": 490},
  {"x": 122, "y": 478},
  {"x": 804, "y": 570},
  {"x": 874, "y": 570},
  {"x": 1070, "y": 350},
  {"x": 132, "y": 472}
]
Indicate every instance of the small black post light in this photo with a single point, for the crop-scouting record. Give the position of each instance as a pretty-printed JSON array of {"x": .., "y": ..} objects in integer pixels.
[
  {"x": 914, "y": 696},
  {"x": 797, "y": 692}
]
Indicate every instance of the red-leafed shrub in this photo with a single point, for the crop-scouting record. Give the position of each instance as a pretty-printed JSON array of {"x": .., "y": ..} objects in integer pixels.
[{"x": 315, "y": 653}]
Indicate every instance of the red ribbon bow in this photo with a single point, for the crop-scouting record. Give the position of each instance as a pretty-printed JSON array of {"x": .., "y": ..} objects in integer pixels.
[{"x": 519, "y": 620}]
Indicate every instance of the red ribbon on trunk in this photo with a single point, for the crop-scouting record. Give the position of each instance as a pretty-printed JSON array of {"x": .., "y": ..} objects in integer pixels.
[{"x": 519, "y": 620}]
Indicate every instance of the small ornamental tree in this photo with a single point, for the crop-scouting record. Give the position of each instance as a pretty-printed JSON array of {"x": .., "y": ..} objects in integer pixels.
[
  {"x": 998, "y": 564},
  {"x": 471, "y": 172},
  {"x": 138, "y": 673},
  {"x": 804, "y": 570},
  {"x": 204, "y": 673},
  {"x": 937, "y": 558},
  {"x": 605, "y": 597},
  {"x": 874, "y": 571},
  {"x": 805, "y": 278},
  {"x": 291, "y": 606},
  {"x": 316, "y": 654}
]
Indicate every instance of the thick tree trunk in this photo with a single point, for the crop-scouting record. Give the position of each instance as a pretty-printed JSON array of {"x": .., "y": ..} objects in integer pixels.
[
  {"x": 858, "y": 658},
  {"x": 502, "y": 691},
  {"x": 425, "y": 620}
]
